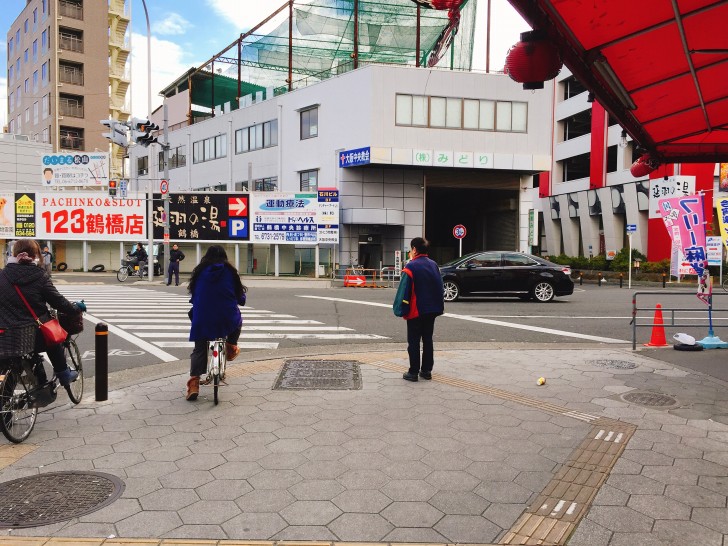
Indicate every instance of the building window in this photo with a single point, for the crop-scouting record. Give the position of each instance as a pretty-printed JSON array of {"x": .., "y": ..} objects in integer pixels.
[
  {"x": 35, "y": 51},
  {"x": 72, "y": 138},
  {"x": 70, "y": 105},
  {"x": 43, "y": 8},
  {"x": 25, "y": 27},
  {"x": 44, "y": 135},
  {"x": 45, "y": 106},
  {"x": 309, "y": 123},
  {"x": 256, "y": 137},
  {"x": 11, "y": 103},
  {"x": 572, "y": 87},
  {"x": 10, "y": 46},
  {"x": 11, "y": 74},
  {"x": 44, "y": 73},
  {"x": 35, "y": 19},
  {"x": 26, "y": 86},
  {"x": 142, "y": 165},
  {"x": 575, "y": 167},
  {"x": 309, "y": 180},
  {"x": 612, "y": 159},
  {"x": 577, "y": 125},
  {"x": 35, "y": 81},
  {"x": 209, "y": 149},
  {"x": 35, "y": 113},
  {"x": 17, "y": 37},
  {"x": 27, "y": 115},
  {"x": 177, "y": 157},
  {"x": 266, "y": 184},
  {"x": 44, "y": 41}
]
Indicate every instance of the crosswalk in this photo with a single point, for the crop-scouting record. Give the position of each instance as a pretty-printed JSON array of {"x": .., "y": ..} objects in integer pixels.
[{"x": 157, "y": 321}]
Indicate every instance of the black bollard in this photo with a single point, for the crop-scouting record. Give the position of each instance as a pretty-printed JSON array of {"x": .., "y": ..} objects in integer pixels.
[
  {"x": 101, "y": 349},
  {"x": 599, "y": 281},
  {"x": 581, "y": 278},
  {"x": 621, "y": 277},
  {"x": 663, "y": 280}
]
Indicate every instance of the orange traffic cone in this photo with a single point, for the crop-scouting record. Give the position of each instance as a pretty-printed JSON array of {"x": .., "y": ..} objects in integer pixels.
[{"x": 658, "y": 330}]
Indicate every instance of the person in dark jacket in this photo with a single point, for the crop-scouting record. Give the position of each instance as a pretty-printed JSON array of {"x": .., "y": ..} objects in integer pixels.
[
  {"x": 419, "y": 300},
  {"x": 175, "y": 257},
  {"x": 139, "y": 257},
  {"x": 216, "y": 291},
  {"x": 36, "y": 286}
]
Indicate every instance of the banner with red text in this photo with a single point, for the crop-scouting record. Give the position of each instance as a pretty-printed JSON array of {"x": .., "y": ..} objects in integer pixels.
[{"x": 90, "y": 216}]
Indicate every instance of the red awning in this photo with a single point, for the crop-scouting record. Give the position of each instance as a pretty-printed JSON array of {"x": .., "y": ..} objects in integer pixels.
[{"x": 659, "y": 67}]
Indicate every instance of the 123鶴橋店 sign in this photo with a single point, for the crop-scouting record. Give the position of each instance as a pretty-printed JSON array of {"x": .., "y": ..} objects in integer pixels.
[{"x": 203, "y": 217}]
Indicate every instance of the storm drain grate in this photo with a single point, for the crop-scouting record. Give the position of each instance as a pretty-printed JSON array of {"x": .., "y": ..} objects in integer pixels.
[
  {"x": 54, "y": 497},
  {"x": 319, "y": 375},
  {"x": 614, "y": 364},
  {"x": 650, "y": 399}
]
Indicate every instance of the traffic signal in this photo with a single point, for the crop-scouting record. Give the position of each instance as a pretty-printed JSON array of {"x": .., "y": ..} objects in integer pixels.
[
  {"x": 142, "y": 131},
  {"x": 117, "y": 132},
  {"x": 112, "y": 188}
]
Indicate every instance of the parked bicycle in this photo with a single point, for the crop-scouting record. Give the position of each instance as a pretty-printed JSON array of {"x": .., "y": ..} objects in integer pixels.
[
  {"x": 130, "y": 267},
  {"x": 24, "y": 388},
  {"x": 216, "y": 365},
  {"x": 725, "y": 283}
]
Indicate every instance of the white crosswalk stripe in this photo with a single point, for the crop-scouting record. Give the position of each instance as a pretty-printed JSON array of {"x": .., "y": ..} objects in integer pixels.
[{"x": 156, "y": 320}]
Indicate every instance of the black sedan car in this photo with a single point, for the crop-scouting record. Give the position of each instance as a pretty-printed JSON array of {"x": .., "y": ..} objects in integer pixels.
[{"x": 501, "y": 273}]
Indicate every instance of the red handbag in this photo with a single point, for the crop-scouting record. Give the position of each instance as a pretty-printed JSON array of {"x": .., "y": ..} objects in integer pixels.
[{"x": 53, "y": 332}]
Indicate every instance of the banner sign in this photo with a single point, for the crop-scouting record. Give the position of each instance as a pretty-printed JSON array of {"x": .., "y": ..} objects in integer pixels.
[
  {"x": 284, "y": 218},
  {"x": 674, "y": 186},
  {"x": 721, "y": 207},
  {"x": 88, "y": 216},
  {"x": 84, "y": 169},
  {"x": 714, "y": 250},
  {"x": 353, "y": 158},
  {"x": 683, "y": 217},
  {"x": 723, "y": 177},
  {"x": 7, "y": 215},
  {"x": 25, "y": 207},
  {"x": 328, "y": 216},
  {"x": 203, "y": 217}
]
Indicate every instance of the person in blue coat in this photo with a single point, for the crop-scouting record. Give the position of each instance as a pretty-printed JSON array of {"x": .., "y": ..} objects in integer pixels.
[
  {"x": 216, "y": 292},
  {"x": 420, "y": 300}
]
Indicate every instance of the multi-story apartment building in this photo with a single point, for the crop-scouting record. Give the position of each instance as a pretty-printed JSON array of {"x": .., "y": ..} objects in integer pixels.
[{"x": 67, "y": 69}]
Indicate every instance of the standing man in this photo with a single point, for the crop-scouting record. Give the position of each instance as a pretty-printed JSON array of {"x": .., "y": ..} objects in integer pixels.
[
  {"x": 175, "y": 257},
  {"x": 47, "y": 260},
  {"x": 419, "y": 301}
]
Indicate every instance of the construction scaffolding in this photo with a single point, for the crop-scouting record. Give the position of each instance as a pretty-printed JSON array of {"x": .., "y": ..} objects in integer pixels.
[{"x": 303, "y": 42}]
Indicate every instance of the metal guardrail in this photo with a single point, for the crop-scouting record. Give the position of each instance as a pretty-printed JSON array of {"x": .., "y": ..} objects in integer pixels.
[
  {"x": 359, "y": 277},
  {"x": 678, "y": 316}
]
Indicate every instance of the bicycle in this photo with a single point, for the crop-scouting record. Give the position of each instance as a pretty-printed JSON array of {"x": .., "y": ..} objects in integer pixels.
[
  {"x": 216, "y": 366},
  {"x": 129, "y": 267},
  {"x": 24, "y": 388},
  {"x": 725, "y": 284}
]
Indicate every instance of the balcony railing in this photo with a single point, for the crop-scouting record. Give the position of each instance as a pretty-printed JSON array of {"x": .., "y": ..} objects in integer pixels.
[
  {"x": 71, "y": 9},
  {"x": 68, "y": 42},
  {"x": 70, "y": 108},
  {"x": 72, "y": 141},
  {"x": 70, "y": 75}
]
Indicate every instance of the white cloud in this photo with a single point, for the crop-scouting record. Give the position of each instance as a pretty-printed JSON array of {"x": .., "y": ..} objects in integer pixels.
[
  {"x": 505, "y": 30},
  {"x": 245, "y": 14},
  {"x": 169, "y": 62},
  {"x": 174, "y": 24}
]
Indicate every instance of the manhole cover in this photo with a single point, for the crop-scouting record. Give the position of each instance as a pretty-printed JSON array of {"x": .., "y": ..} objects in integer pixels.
[
  {"x": 55, "y": 497},
  {"x": 614, "y": 364},
  {"x": 319, "y": 375},
  {"x": 650, "y": 399}
]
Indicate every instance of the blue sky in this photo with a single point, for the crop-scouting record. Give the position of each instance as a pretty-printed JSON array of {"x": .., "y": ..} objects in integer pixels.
[{"x": 186, "y": 33}]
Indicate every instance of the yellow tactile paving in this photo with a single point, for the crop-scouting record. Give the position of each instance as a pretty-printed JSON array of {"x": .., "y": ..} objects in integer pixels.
[{"x": 9, "y": 453}]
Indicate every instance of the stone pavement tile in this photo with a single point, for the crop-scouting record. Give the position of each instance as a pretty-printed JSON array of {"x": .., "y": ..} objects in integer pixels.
[
  {"x": 321, "y": 470},
  {"x": 363, "y": 479},
  {"x": 647, "y": 457},
  {"x": 116, "y": 511},
  {"x": 659, "y": 507},
  {"x": 208, "y": 461},
  {"x": 718, "y": 457},
  {"x": 196, "y": 535},
  {"x": 138, "y": 487},
  {"x": 412, "y": 514},
  {"x": 715, "y": 483},
  {"x": 409, "y": 490},
  {"x": 223, "y": 490},
  {"x": 85, "y": 529},
  {"x": 610, "y": 496},
  {"x": 670, "y": 475},
  {"x": 419, "y": 535},
  {"x": 625, "y": 466},
  {"x": 635, "y": 539},
  {"x": 636, "y": 484},
  {"x": 254, "y": 526},
  {"x": 316, "y": 489},
  {"x": 181, "y": 439},
  {"x": 459, "y": 502},
  {"x": 208, "y": 512},
  {"x": 274, "y": 479},
  {"x": 368, "y": 501},
  {"x": 180, "y": 479},
  {"x": 265, "y": 500},
  {"x": 452, "y": 480},
  {"x": 246, "y": 454},
  {"x": 589, "y": 533},
  {"x": 686, "y": 532},
  {"x": 491, "y": 471},
  {"x": 282, "y": 461},
  {"x": 168, "y": 499},
  {"x": 535, "y": 481},
  {"x": 155, "y": 523},
  {"x": 504, "y": 515},
  {"x": 305, "y": 533},
  {"x": 503, "y": 492},
  {"x": 360, "y": 527},
  {"x": 468, "y": 529},
  {"x": 713, "y": 518},
  {"x": 310, "y": 513},
  {"x": 403, "y": 470},
  {"x": 233, "y": 470},
  {"x": 696, "y": 496},
  {"x": 88, "y": 452},
  {"x": 679, "y": 451},
  {"x": 620, "y": 519},
  {"x": 72, "y": 465},
  {"x": 701, "y": 467}
]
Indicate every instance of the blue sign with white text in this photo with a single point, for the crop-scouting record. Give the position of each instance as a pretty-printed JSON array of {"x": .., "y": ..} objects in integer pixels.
[{"x": 353, "y": 158}]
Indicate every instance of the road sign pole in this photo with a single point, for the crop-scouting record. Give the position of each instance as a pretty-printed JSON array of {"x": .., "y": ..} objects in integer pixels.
[
  {"x": 461, "y": 248},
  {"x": 629, "y": 282},
  {"x": 165, "y": 197}
]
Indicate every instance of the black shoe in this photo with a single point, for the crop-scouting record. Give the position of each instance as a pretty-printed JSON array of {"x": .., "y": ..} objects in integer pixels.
[
  {"x": 410, "y": 377},
  {"x": 176, "y": 284},
  {"x": 426, "y": 375},
  {"x": 169, "y": 283}
]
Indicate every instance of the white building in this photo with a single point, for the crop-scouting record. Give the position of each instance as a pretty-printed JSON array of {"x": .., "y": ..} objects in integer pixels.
[{"x": 445, "y": 148}]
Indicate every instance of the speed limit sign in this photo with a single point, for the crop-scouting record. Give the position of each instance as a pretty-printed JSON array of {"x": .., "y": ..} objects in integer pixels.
[
  {"x": 164, "y": 187},
  {"x": 459, "y": 231}
]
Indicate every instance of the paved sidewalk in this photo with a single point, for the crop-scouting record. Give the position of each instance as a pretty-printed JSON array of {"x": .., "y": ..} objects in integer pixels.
[{"x": 616, "y": 448}]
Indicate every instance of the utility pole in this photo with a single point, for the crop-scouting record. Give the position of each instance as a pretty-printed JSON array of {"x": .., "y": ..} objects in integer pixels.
[
  {"x": 150, "y": 196},
  {"x": 165, "y": 196}
]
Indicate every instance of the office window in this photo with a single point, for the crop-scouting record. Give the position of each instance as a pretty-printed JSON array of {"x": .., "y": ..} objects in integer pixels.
[
  {"x": 25, "y": 27},
  {"x": 519, "y": 111},
  {"x": 44, "y": 41},
  {"x": 142, "y": 165},
  {"x": 18, "y": 96},
  {"x": 503, "y": 116},
  {"x": 11, "y": 126},
  {"x": 44, "y": 72},
  {"x": 45, "y": 105},
  {"x": 438, "y": 111},
  {"x": 35, "y": 81},
  {"x": 35, "y": 51},
  {"x": 177, "y": 158},
  {"x": 26, "y": 85},
  {"x": 612, "y": 159},
  {"x": 43, "y": 6},
  {"x": 412, "y": 110},
  {"x": 309, "y": 180},
  {"x": 11, "y": 103},
  {"x": 209, "y": 149},
  {"x": 44, "y": 135},
  {"x": 454, "y": 113},
  {"x": 25, "y": 56},
  {"x": 17, "y": 36},
  {"x": 403, "y": 110},
  {"x": 17, "y": 66},
  {"x": 19, "y": 124},
  {"x": 11, "y": 73},
  {"x": 309, "y": 123},
  {"x": 35, "y": 113},
  {"x": 256, "y": 137},
  {"x": 266, "y": 184},
  {"x": 27, "y": 115},
  {"x": 35, "y": 19},
  {"x": 471, "y": 113},
  {"x": 10, "y": 46}
]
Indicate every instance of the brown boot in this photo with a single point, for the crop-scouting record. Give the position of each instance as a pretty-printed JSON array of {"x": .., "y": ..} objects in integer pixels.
[
  {"x": 231, "y": 351},
  {"x": 193, "y": 388}
]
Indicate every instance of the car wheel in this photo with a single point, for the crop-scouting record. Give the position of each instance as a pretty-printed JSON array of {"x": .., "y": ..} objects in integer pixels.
[
  {"x": 452, "y": 290},
  {"x": 543, "y": 291}
]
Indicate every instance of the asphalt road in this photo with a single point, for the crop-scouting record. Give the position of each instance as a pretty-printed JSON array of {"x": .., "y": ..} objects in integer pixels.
[{"x": 279, "y": 318}]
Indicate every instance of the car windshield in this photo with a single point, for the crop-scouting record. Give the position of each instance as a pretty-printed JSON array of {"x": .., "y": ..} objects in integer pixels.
[{"x": 458, "y": 260}]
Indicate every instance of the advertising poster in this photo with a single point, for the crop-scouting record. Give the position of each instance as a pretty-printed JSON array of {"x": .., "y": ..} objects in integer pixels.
[
  {"x": 25, "y": 214},
  {"x": 328, "y": 216},
  {"x": 7, "y": 215},
  {"x": 721, "y": 208},
  {"x": 84, "y": 169},
  {"x": 723, "y": 177},
  {"x": 201, "y": 217},
  {"x": 86, "y": 216},
  {"x": 283, "y": 218},
  {"x": 674, "y": 186}
]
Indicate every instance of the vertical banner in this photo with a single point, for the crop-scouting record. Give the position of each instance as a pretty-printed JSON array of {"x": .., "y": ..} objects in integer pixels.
[
  {"x": 7, "y": 215},
  {"x": 721, "y": 207},
  {"x": 683, "y": 218},
  {"x": 723, "y": 177},
  {"x": 328, "y": 216},
  {"x": 25, "y": 215}
]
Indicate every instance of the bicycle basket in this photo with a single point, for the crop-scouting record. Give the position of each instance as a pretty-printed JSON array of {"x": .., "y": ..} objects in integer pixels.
[
  {"x": 17, "y": 341},
  {"x": 73, "y": 324}
]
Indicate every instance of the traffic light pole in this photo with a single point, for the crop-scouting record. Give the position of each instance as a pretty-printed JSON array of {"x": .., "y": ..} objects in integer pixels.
[{"x": 165, "y": 196}]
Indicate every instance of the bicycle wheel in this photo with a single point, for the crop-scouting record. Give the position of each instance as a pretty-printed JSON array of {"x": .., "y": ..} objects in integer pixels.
[
  {"x": 17, "y": 419},
  {"x": 122, "y": 274},
  {"x": 73, "y": 358},
  {"x": 725, "y": 284}
]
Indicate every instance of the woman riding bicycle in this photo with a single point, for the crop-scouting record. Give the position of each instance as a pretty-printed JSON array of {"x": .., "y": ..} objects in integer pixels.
[
  {"x": 23, "y": 271},
  {"x": 216, "y": 291}
]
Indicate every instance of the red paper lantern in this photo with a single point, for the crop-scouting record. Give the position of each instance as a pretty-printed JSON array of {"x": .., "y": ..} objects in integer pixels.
[
  {"x": 643, "y": 166},
  {"x": 439, "y": 4},
  {"x": 533, "y": 60}
]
